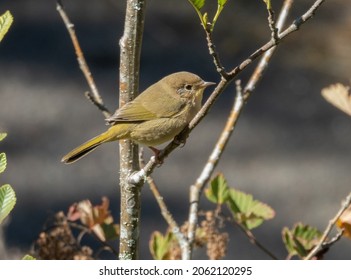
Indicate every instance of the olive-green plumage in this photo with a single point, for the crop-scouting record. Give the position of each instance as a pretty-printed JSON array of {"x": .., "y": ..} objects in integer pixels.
[{"x": 154, "y": 117}]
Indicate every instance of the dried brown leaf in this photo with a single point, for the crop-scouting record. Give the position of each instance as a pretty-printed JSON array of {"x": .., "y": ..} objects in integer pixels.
[
  {"x": 344, "y": 222},
  {"x": 339, "y": 96}
]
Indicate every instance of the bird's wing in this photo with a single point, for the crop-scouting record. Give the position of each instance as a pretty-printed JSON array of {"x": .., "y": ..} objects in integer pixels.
[
  {"x": 133, "y": 111},
  {"x": 149, "y": 105}
]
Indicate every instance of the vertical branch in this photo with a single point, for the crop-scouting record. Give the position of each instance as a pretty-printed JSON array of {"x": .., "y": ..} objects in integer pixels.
[{"x": 130, "y": 47}]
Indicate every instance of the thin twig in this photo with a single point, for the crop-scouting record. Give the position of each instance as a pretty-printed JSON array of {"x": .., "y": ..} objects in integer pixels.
[
  {"x": 224, "y": 82},
  {"x": 164, "y": 210},
  {"x": 263, "y": 63},
  {"x": 254, "y": 240},
  {"x": 331, "y": 224},
  {"x": 283, "y": 35},
  {"x": 327, "y": 244},
  {"x": 272, "y": 25},
  {"x": 82, "y": 233},
  {"x": 94, "y": 97},
  {"x": 101, "y": 106},
  {"x": 84, "y": 230},
  {"x": 212, "y": 50}
]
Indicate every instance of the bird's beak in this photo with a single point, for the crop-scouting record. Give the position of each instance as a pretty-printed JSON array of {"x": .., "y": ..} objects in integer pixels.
[{"x": 206, "y": 84}]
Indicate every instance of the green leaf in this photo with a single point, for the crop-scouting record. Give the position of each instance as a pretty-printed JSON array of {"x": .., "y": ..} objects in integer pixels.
[
  {"x": 218, "y": 191},
  {"x": 222, "y": 2},
  {"x": 28, "y": 258},
  {"x": 268, "y": 4},
  {"x": 220, "y": 7},
  {"x": 7, "y": 201},
  {"x": 301, "y": 239},
  {"x": 288, "y": 240},
  {"x": 5, "y": 22},
  {"x": 111, "y": 231},
  {"x": 3, "y": 162},
  {"x": 198, "y": 4},
  {"x": 205, "y": 18},
  {"x": 248, "y": 212},
  {"x": 2, "y": 135},
  {"x": 159, "y": 245}
]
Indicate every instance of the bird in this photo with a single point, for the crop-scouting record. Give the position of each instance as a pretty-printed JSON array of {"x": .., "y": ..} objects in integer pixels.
[{"x": 154, "y": 117}]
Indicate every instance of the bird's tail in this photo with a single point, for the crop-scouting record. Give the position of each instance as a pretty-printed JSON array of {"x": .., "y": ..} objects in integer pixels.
[{"x": 113, "y": 133}]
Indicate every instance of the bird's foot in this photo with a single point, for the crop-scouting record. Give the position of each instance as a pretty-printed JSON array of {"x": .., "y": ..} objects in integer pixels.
[
  {"x": 180, "y": 140},
  {"x": 157, "y": 154}
]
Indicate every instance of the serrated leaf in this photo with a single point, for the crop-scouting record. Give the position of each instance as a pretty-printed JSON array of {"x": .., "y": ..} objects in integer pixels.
[
  {"x": 339, "y": 96},
  {"x": 160, "y": 245},
  {"x": 5, "y": 22},
  {"x": 299, "y": 247},
  {"x": 247, "y": 211},
  {"x": 28, "y": 258},
  {"x": 7, "y": 201},
  {"x": 288, "y": 240},
  {"x": 301, "y": 239},
  {"x": 344, "y": 222},
  {"x": 218, "y": 191},
  {"x": 2, "y": 135},
  {"x": 3, "y": 162},
  {"x": 198, "y": 4}
]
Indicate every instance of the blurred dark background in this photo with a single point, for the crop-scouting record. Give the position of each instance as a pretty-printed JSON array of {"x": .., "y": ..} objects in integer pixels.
[{"x": 291, "y": 149}]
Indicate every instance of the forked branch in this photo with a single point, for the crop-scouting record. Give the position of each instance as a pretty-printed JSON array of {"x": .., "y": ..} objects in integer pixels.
[{"x": 226, "y": 79}]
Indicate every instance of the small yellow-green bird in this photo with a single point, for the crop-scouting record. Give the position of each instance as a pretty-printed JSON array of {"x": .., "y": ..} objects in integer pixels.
[{"x": 154, "y": 117}]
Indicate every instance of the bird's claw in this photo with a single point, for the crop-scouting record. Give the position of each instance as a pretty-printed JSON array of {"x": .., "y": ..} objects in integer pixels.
[
  {"x": 180, "y": 141},
  {"x": 158, "y": 161}
]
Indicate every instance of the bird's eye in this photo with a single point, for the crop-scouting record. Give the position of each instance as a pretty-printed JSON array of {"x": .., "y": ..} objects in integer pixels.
[{"x": 188, "y": 87}]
